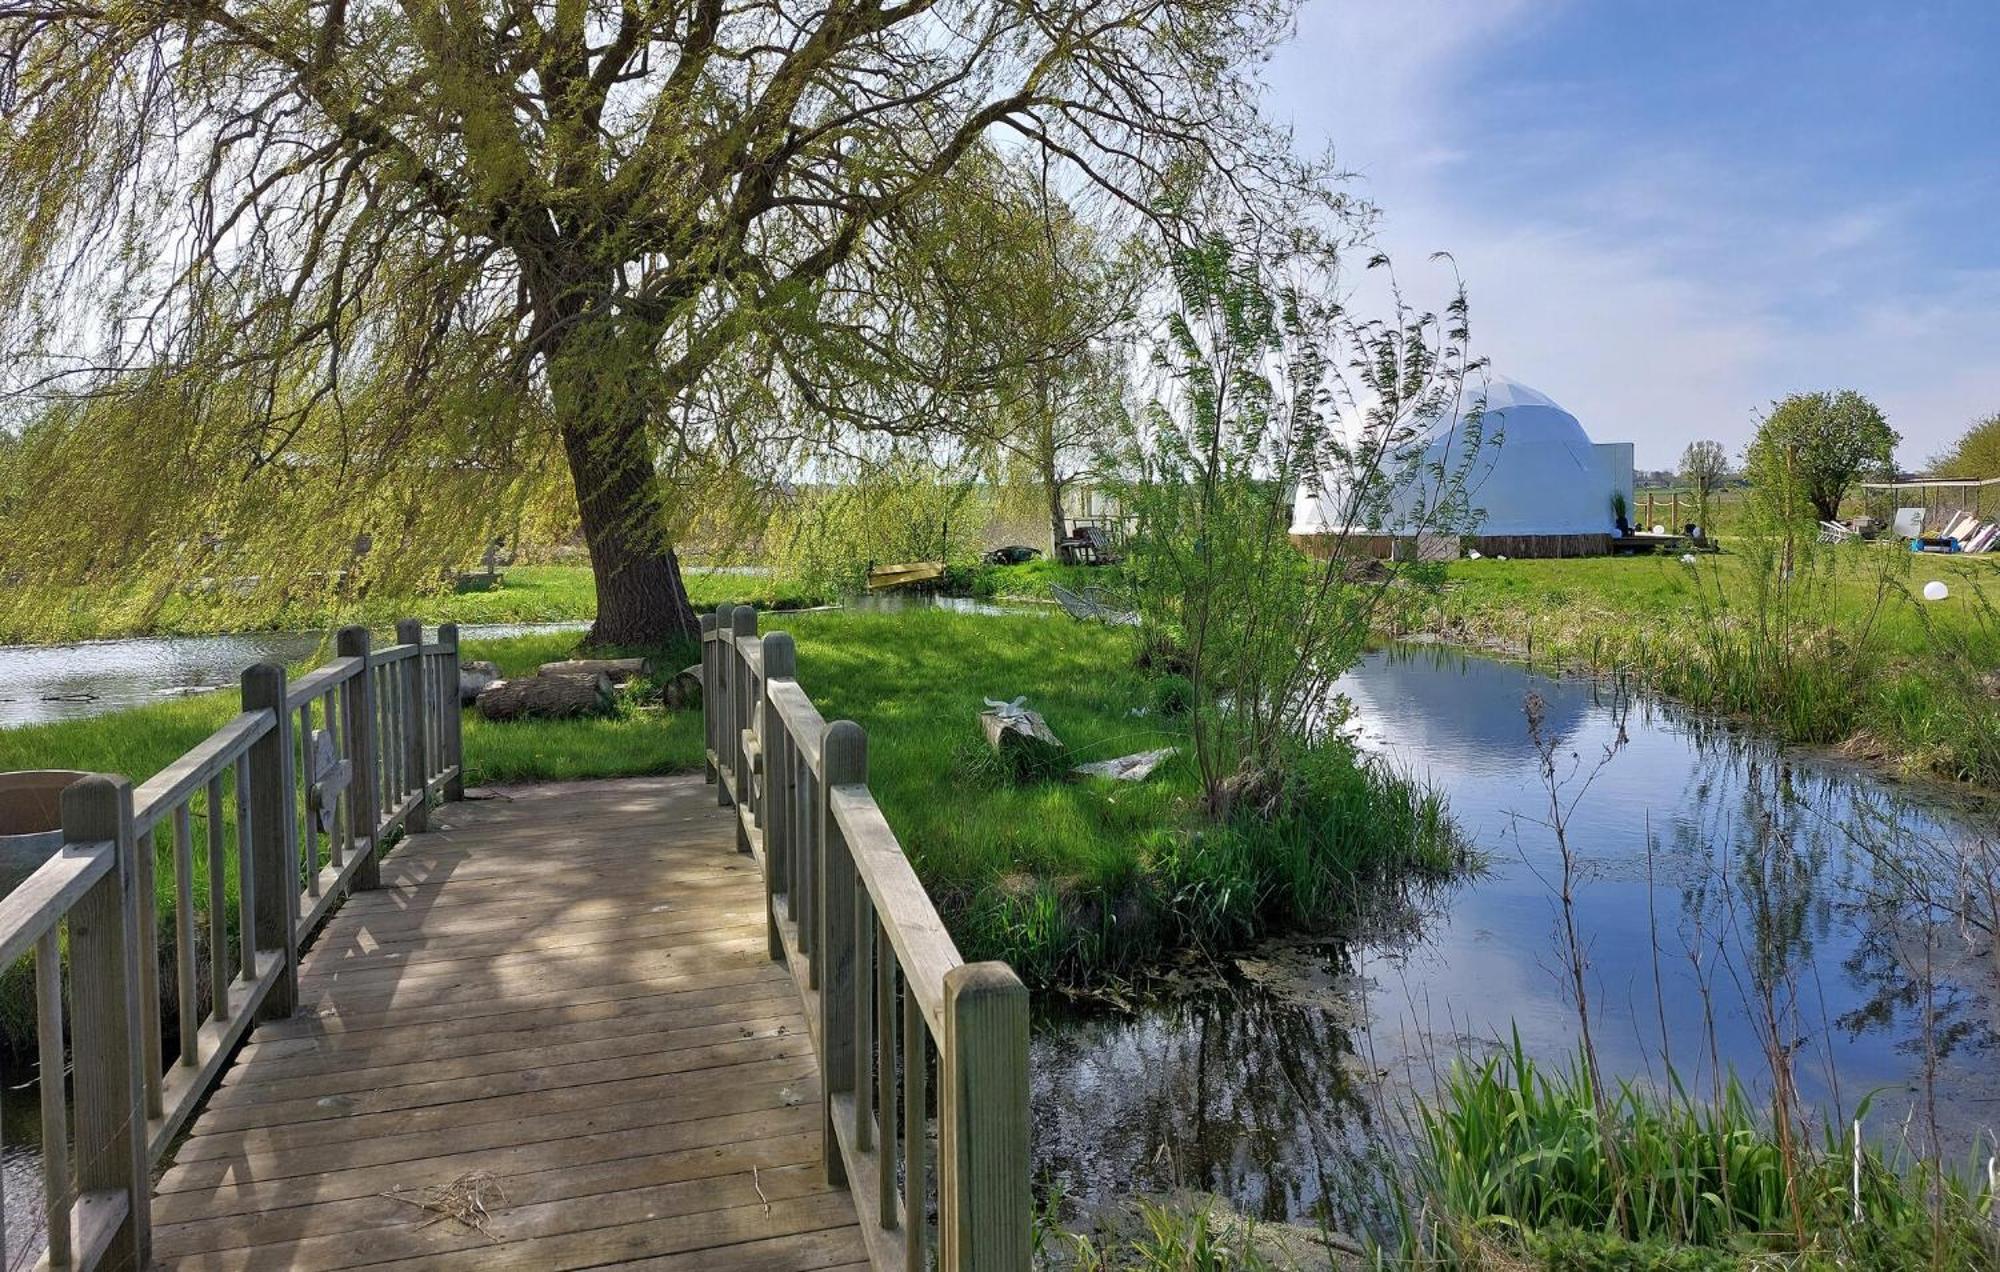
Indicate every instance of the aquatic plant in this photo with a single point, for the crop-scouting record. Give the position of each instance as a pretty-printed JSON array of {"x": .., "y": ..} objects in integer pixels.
[{"x": 1515, "y": 1155}]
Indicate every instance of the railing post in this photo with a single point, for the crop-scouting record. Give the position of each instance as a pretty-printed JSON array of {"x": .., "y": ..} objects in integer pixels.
[
  {"x": 708, "y": 703},
  {"x": 743, "y": 622},
  {"x": 984, "y": 1203},
  {"x": 725, "y": 679},
  {"x": 111, "y": 1151},
  {"x": 358, "y": 702},
  {"x": 410, "y": 631},
  {"x": 273, "y": 846},
  {"x": 452, "y": 715},
  {"x": 780, "y": 663},
  {"x": 844, "y": 762}
]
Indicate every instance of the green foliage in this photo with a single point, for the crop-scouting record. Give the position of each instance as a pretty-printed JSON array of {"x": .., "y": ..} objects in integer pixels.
[
  {"x": 1514, "y": 1155},
  {"x": 1249, "y": 415},
  {"x": 1168, "y": 1238},
  {"x": 1173, "y": 695},
  {"x": 1811, "y": 448},
  {"x": 1976, "y": 453},
  {"x": 901, "y": 508}
]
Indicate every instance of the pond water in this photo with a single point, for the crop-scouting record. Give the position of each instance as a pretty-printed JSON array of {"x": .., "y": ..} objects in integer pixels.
[
  {"x": 66, "y": 682},
  {"x": 1720, "y": 886}
]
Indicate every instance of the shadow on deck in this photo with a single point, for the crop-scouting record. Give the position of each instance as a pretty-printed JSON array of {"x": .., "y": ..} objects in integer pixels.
[{"x": 554, "y": 1038}]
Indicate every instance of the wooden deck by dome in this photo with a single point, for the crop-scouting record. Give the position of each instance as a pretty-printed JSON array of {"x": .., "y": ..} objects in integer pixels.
[{"x": 660, "y": 1022}]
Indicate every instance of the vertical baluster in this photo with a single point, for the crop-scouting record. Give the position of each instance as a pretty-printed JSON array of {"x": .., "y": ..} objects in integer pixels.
[
  {"x": 336, "y": 732},
  {"x": 416, "y": 778},
  {"x": 218, "y": 903},
  {"x": 864, "y": 1016},
  {"x": 143, "y": 864},
  {"x": 844, "y": 762},
  {"x": 809, "y": 858},
  {"x": 308, "y": 817},
  {"x": 885, "y": 1074},
  {"x": 55, "y": 1116},
  {"x": 916, "y": 1157},
  {"x": 246, "y": 872},
  {"x": 273, "y": 846},
  {"x": 452, "y": 754},
  {"x": 780, "y": 663},
  {"x": 362, "y": 824},
  {"x": 708, "y": 696},
  {"x": 184, "y": 984}
]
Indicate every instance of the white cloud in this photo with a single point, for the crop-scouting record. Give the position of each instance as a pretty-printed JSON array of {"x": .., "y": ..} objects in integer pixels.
[{"x": 1662, "y": 291}]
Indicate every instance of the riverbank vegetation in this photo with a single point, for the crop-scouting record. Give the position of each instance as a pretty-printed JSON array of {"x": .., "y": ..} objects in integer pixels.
[
  {"x": 1845, "y": 652},
  {"x": 1520, "y": 1161}
]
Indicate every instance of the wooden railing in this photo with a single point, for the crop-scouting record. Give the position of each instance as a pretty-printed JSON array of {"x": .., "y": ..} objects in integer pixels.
[
  {"x": 861, "y": 938},
  {"x": 298, "y": 794}
]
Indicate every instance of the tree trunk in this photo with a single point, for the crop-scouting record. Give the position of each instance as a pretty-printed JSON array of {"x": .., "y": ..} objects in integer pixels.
[
  {"x": 1057, "y": 531},
  {"x": 600, "y": 383}
]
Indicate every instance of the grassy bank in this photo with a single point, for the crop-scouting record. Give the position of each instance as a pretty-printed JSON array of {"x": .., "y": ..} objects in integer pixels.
[
  {"x": 1849, "y": 656},
  {"x": 525, "y": 594},
  {"x": 1070, "y": 880}
]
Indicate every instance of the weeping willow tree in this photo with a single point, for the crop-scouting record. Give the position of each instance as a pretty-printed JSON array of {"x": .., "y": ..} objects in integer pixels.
[{"x": 301, "y": 271}]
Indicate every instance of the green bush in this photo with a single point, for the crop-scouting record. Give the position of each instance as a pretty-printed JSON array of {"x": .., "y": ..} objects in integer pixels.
[{"x": 1173, "y": 695}]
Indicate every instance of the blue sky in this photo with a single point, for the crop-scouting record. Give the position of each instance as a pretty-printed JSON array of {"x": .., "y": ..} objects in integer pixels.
[{"x": 1669, "y": 214}]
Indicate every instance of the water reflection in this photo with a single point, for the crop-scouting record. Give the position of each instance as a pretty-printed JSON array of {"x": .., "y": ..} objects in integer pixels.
[
  {"x": 66, "y": 682},
  {"x": 1735, "y": 903}
]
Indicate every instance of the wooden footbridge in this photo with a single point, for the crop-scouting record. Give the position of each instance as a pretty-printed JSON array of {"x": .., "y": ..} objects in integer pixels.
[{"x": 658, "y": 1022}]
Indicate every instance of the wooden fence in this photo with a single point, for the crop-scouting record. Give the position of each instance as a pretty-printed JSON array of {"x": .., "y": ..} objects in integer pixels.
[
  {"x": 862, "y": 939},
  {"x": 297, "y": 793}
]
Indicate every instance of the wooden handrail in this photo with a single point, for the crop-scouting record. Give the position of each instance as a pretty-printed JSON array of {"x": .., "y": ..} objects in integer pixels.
[
  {"x": 161, "y": 793},
  {"x": 295, "y": 776},
  {"x": 866, "y": 946},
  {"x": 924, "y": 949}
]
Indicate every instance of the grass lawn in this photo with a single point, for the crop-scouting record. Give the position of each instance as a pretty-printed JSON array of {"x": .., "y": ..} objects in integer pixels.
[{"x": 526, "y": 594}]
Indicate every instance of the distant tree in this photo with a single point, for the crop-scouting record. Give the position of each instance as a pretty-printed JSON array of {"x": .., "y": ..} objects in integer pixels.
[
  {"x": 1812, "y": 447},
  {"x": 1975, "y": 454},
  {"x": 1704, "y": 467}
]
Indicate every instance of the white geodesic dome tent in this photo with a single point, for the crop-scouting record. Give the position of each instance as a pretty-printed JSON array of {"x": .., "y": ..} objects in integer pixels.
[{"x": 1534, "y": 474}]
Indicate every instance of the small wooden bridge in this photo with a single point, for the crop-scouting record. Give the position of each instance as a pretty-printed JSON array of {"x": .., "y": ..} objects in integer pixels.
[{"x": 653, "y": 1022}]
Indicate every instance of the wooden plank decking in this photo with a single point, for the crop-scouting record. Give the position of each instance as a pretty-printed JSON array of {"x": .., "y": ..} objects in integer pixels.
[{"x": 563, "y": 995}]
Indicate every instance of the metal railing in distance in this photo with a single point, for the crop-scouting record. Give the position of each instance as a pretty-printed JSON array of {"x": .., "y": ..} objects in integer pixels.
[
  {"x": 282, "y": 799},
  {"x": 884, "y": 985}
]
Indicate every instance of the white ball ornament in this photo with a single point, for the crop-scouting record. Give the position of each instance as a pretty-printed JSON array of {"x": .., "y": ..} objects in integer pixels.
[{"x": 1935, "y": 591}]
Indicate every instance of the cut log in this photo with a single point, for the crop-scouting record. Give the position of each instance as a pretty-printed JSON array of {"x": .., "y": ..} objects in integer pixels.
[
  {"x": 547, "y": 697},
  {"x": 683, "y": 692},
  {"x": 473, "y": 677},
  {"x": 1022, "y": 736},
  {"x": 619, "y": 669}
]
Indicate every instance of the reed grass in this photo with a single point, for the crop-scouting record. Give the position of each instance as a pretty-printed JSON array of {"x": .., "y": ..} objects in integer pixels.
[{"x": 1515, "y": 1160}]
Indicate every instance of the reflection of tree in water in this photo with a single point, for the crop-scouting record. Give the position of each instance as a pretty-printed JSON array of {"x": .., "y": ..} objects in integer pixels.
[
  {"x": 1919, "y": 895},
  {"x": 1784, "y": 860},
  {"x": 1242, "y": 1093}
]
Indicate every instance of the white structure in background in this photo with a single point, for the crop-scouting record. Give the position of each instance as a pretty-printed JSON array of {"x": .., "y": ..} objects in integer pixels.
[{"x": 1540, "y": 486}]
